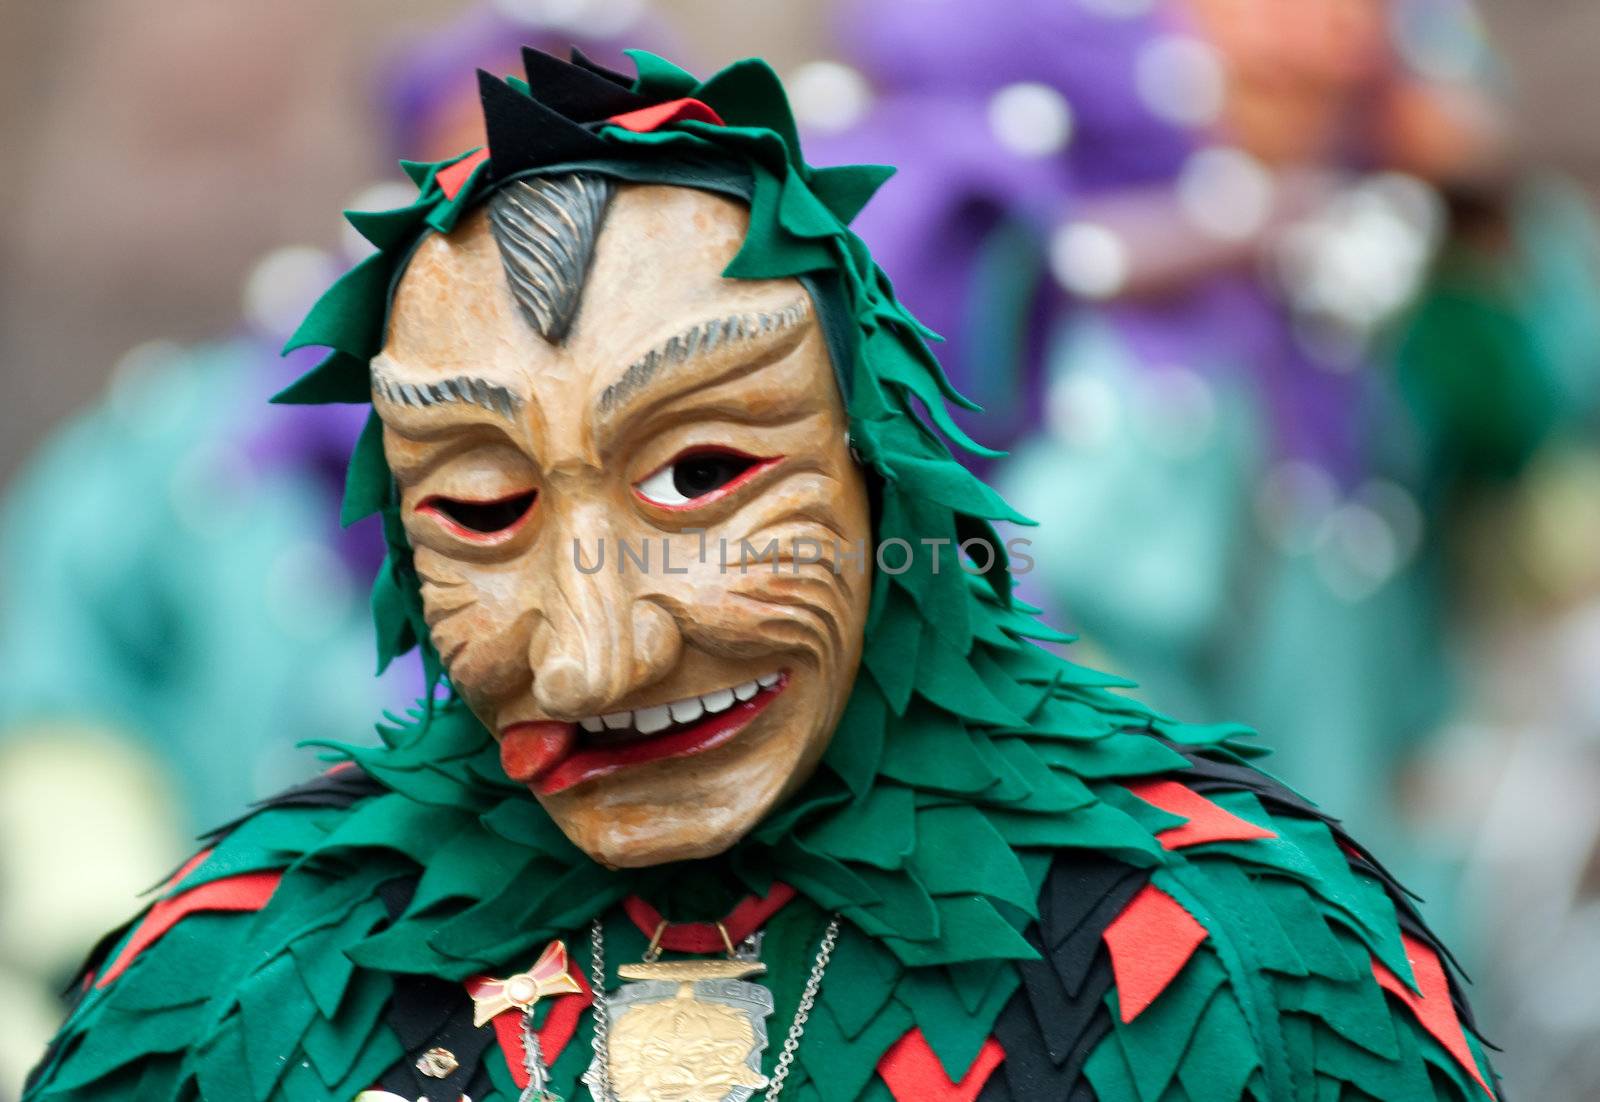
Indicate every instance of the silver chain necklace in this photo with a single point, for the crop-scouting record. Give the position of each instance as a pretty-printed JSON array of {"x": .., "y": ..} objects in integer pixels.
[{"x": 601, "y": 1084}]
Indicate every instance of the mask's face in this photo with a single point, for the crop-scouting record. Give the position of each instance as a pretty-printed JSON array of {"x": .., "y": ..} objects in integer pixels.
[{"x": 657, "y": 702}]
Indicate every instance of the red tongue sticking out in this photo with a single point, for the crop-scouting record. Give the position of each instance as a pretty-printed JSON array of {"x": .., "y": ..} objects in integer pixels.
[{"x": 529, "y": 750}]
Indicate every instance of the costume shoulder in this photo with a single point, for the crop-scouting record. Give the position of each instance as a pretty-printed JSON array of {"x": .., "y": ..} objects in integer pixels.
[
  {"x": 241, "y": 943},
  {"x": 1268, "y": 956}
]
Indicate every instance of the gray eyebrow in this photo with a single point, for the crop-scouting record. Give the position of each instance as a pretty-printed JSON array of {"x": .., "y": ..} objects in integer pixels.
[
  {"x": 699, "y": 340},
  {"x": 461, "y": 388}
]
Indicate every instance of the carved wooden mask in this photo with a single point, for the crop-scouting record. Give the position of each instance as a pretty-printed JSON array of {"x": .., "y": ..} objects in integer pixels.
[{"x": 585, "y": 420}]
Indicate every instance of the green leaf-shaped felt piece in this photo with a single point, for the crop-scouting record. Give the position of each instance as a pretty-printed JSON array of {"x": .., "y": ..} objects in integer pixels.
[
  {"x": 1232, "y": 893},
  {"x": 333, "y": 1041},
  {"x": 842, "y": 1066},
  {"x": 879, "y": 830},
  {"x": 874, "y": 971},
  {"x": 273, "y": 1015},
  {"x": 749, "y": 94},
  {"x": 1051, "y": 791},
  {"x": 1297, "y": 913},
  {"x": 221, "y": 1065},
  {"x": 846, "y": 189},
  {"x": 659, "y": 78},
  {"x": 957, "y": 842},
  {"x": 1099, "y": 827},
  {"x": 855, "y": 755},
  {"x": 1362, "y": 904},
  {"x": 935, "y": 751},
  {"x": 368, "y": 483},
  {"x": 915, "y": 912},
  {"x": 324, "y": 969},
  {"x": 189, "y": 959},
  {"x": 1221, "y": 1057},
  {"x": 1402, "y": 1078},
  {"x": 340, "y": 377},
  {"x": 970, "y": 928},
  {"x": 339, "y": 319},
  {"x": 386, "y": 229},
  {"x": 1157, "y": 1041},
  {"x": 1116, "y": 755},
  {"x": 391, "y": 614},
  {"x": 122, "y": 1039}
]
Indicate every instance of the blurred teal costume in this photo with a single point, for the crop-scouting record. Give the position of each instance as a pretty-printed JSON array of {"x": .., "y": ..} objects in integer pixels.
[
  {"x": 1225, "y": 603},
  {"x": 161, "y": 581}
]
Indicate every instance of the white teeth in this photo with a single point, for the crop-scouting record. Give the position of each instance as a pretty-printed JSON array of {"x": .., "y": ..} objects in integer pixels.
[
  {"x": 687, "y": 711},
  {"x": 647, "y": 721},
  {"x": 719, "y": 701}
]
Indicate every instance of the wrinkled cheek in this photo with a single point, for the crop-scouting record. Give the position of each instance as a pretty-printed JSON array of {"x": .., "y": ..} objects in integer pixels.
[
  {"x": 485, "y": 646},
  {"x": 717, "y": 615}
]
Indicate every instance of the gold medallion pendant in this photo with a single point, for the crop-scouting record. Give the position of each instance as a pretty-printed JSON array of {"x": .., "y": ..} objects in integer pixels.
[{"x": 686, "y": 1031}]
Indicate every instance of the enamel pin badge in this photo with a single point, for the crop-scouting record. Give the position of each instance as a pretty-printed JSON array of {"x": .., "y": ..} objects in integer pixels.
[{"x": 548, "y": 976}]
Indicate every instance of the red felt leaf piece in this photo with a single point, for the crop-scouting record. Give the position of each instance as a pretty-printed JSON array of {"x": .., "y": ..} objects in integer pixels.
[
  {"x": 912, "y": 1071},
  {"x": 658, "y": 115},
  {"x": 246, "y": 892},
  {"x": 559, "y": 1025},
  {"x": 451, "y": 180},
  {"x": 1150, "y": 942},
  {"x": 1432, "y": 1006},
  {"x": 1208, "y": 822},
  {"x": 703, "y": 937},
  {"x": 185, "y": 869}
]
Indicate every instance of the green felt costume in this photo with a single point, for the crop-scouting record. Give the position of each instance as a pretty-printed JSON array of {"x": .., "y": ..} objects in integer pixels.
[{"x": 1047, "y": 891}]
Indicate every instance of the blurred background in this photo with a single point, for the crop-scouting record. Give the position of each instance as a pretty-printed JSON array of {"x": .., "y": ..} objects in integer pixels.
[{"x": 1288, "y": 312}]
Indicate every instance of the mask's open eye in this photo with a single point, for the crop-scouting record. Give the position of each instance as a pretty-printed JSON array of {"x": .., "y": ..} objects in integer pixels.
[
  {"x": 696, "y": 475},
  {"x": 476, "y": 519}
]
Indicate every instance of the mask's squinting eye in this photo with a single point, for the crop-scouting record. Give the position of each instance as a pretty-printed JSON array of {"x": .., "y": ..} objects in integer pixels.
[
  {"x": 697, "y": 475},
  {"x": 477, "y": 519}
]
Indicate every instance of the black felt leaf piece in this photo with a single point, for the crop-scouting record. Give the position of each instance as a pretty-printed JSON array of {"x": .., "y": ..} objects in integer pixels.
[
  {"x": 524, "y": 133},
  {"x": 432, "y": 1013},
  {"x": 1054, "y": 1022},
  {"x": 422, "y": 1006},
  {"x": 1081, "y": 886},
  {"x": 584, "y": 61},
  {"x": 574, "y": 91}
]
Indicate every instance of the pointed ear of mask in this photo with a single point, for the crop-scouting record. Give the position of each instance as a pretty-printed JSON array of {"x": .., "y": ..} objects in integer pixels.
[
  {"x": 575, "y": 92},
  {"x": 524, "y": 133}
]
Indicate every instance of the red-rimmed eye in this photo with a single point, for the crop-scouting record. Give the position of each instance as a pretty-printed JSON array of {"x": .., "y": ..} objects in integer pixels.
[
  {"x": 697, "y": 475},
  {"x": 475, "y": 519}
]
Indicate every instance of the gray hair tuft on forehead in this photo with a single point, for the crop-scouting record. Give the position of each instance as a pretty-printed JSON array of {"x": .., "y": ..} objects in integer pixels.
[{"x": 546, "y": 227}]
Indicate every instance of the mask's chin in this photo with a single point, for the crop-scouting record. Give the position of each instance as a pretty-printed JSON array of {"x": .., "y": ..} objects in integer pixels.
[
  {"x": 689, "y": 809},
  {"x": 620, "y": 849},
  {"x": 645, "y": 834}
]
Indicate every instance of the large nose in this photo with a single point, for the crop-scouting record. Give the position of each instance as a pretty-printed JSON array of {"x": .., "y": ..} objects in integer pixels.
[{"x": 602, "y": 636}]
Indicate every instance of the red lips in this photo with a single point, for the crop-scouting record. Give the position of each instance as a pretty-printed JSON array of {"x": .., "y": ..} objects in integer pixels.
[{"x": 546, "y": 755}]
